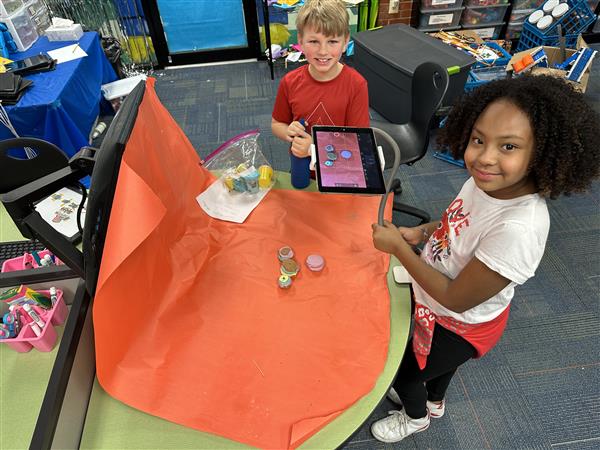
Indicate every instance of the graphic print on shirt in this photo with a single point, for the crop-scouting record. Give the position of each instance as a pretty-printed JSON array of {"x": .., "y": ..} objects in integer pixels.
[
  {"x": 319, "y": 116},
  {"x": 454, "y": 218}
]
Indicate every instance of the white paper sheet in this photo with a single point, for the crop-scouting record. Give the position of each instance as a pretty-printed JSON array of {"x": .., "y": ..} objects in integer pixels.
[
  {"x": 218, "y": 202},
  {"x": 68, "y": 53},
  {"x": 60, "y": 211}
]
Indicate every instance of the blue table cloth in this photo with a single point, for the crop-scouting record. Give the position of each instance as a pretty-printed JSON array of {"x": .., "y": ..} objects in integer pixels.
[{"x": 62, "y": 105}]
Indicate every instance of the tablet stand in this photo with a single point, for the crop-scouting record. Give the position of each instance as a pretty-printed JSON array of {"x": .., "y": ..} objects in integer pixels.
[{"x": 388, "y": 184}]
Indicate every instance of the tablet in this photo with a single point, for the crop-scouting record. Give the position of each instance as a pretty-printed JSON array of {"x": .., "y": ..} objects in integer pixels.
[{"x": 347, "y": 160}]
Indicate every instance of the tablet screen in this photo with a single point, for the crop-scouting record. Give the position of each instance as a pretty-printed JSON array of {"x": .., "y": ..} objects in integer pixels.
[{"x": 347, "y": 160}]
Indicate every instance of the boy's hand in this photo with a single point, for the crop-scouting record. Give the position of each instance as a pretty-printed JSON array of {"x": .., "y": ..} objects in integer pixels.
[
  {"x": 296, "y": 129},
  {"x": 301, "y": 145},
  {"x": 387, "y": 238}
]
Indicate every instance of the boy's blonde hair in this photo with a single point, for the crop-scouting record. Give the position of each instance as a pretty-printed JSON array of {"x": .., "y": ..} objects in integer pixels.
[{"x": 329, "y": 17}]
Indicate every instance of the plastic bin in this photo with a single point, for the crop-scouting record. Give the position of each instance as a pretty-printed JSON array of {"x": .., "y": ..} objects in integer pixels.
[
  {"x": 437, "y": 29},
  {"x": 26, "y": 340},
  {"x": 513, "y": 30},
  {"x": 21, "y": 29},
  {"x": 35, "y": 7},
  {"x": 527, "y": 4},
  {"x": 388, "y": 57},
  {"x": 8, "y": 7},
  {"x": 489, "y": 31},
  {"x": 443, "y": 19},
  {"x": 500, "y": 61},
  {"x": 482, "y": 15},
  {"x": 485, "y": 2},
  {"x": 41, "y": 21},
  {"x": 441, "y": 4},
  {"x": 18, "y": 263},
  {"x": 520, "y": 15},
  {"x": 482, "y": 75},
  {"x": 578, "y": 18}
]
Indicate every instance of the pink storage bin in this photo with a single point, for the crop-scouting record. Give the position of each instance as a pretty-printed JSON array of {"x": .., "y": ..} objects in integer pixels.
[
  {"x": 26, "y": 340},
  {"x": 18, "y": 263}
]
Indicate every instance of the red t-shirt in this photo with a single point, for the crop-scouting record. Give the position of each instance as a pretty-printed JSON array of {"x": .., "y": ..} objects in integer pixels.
[{"x": 343, "y": 101}]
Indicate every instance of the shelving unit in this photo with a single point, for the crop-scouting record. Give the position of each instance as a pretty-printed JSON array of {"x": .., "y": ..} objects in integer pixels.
[{"x": 286, "y": 18}]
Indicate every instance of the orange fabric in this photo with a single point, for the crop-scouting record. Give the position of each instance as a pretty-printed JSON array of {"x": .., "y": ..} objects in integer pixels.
[{"x": 190, "y": 324}]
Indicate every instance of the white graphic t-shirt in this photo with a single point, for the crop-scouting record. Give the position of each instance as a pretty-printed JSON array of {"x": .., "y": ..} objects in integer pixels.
[{"x": 508, "y": 236}]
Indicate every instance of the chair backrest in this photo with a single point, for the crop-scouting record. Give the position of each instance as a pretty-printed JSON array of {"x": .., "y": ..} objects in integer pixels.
[
  {"x": 429, "y": 85},
  {"x": 20, "y": 170}
]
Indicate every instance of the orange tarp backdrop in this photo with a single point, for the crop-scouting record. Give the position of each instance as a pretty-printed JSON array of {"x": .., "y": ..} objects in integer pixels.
[{"x": 190, "y": 324}]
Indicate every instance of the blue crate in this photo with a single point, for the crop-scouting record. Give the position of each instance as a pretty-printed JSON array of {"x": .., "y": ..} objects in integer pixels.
[
  {"x": 575, "y": 21},
  {"x": 503, "y": 61},
  {"x": 481, "y": 75}
]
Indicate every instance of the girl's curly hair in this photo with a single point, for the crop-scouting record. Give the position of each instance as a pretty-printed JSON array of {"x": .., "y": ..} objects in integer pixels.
[{"x": 565, "y": 128}]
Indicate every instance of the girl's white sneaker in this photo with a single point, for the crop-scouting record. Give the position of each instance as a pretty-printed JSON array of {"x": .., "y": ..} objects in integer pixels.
[{"x": 397, "y": 426}]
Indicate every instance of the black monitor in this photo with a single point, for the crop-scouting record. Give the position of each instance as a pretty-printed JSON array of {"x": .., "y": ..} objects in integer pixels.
[{"x": 104, "y": 181}]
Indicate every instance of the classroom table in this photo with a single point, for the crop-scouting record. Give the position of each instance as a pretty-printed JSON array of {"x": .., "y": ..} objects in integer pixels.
[
  {"x": 63, "y": 104},
  {"x": 112, "y": 424}
]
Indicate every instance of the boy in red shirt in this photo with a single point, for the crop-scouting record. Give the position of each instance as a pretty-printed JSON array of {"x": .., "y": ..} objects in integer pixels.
[{"x": 324, "y": 92}]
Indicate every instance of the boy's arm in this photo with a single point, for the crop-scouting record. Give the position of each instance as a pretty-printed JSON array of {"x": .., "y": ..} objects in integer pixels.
[
  {"x": 474, "y": 284},
  {"x": 280, "y": 130}
]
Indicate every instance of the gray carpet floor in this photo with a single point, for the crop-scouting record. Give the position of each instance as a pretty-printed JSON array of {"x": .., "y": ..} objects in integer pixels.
[{"x": 540, "y": 387}]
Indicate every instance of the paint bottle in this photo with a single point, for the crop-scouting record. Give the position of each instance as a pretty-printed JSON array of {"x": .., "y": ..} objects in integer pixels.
[
  {"x": 300, "y": 168},
  {"x": 34, "y": 315}
]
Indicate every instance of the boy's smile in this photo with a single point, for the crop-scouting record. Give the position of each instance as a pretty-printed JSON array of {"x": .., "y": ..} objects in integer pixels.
[
  {"x": 323, "y": 53},
  {"x": 500, "y": 151}
]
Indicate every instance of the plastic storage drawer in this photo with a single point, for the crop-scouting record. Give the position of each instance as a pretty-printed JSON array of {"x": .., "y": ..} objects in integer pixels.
[
  {"x": 482, "y": 15},
  {"x": 388, "y": 57},
  {"x": 41, "y": 21},
  {"x": 527, "y": 4},
  {"x": 520, "y": 15},
  {"x": 485, "y": 2},
  {"x": 441, "y": 4},
  {"x": 8, "y": 7},
  {"x": 35, "y": 7},
  {"x": 488, "y": 31},
  {"x": 447, "y": 18},
  {"x": 21, "y": 29},
  {"x": 513, "y": 30}
]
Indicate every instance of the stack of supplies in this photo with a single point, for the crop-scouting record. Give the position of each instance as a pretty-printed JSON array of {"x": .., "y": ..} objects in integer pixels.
[{"x": 12, "y": 87}]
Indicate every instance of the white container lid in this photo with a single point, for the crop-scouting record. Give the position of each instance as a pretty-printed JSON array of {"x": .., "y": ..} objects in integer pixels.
[
  {"x": 535, "y": 16},
  {"x": 544, "y": 22},
  {"x": 550, "y": 5},
  {"x": 560, "y": 10}
]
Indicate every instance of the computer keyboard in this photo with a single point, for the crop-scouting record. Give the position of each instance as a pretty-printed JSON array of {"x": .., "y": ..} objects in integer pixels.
[{"x": 14, "y": 249}]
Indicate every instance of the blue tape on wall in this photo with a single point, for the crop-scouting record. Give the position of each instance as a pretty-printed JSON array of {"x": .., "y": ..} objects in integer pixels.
[{"x": 193, "y": 25}]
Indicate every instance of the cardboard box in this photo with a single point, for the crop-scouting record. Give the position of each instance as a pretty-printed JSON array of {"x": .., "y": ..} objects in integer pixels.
[{"x": 554, "y": 57}]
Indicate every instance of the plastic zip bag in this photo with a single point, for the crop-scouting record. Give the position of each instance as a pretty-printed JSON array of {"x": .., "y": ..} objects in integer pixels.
[{"x": 241, "y": 165}]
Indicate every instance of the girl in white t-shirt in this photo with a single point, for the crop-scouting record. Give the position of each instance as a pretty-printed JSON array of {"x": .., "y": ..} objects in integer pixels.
[{"x": 523, "y": 140}]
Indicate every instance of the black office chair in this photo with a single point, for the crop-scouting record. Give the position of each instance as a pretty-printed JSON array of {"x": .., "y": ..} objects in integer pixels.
[{"x": 429, "y": 84}]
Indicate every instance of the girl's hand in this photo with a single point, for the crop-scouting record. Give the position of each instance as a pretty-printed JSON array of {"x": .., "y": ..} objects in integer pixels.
[
  {"x": 387, "y": 238},
  {"x": 413, "y": 236}
]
